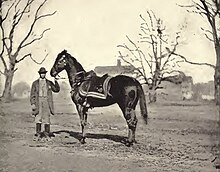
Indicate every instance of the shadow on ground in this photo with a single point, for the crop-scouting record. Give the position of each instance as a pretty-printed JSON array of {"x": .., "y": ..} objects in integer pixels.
[{"x": 78, "y": 136}]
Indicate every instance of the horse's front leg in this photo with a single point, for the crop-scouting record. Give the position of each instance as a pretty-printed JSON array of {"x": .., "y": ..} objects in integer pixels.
[{"x": 83, "y": 121}]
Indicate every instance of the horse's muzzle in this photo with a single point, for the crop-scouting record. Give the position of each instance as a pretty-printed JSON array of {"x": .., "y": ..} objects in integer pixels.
[{"x": 53, "y": 72}]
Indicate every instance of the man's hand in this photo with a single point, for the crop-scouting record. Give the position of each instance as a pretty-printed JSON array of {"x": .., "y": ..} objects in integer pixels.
[
  {"x": 55, "y": 79},
  {"x": 33, "y": 107}
]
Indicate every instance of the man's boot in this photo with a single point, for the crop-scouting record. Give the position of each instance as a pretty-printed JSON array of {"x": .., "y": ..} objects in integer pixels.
[
  {"x": 47, "y": 129},
  {"x": 38, "y": 130}
]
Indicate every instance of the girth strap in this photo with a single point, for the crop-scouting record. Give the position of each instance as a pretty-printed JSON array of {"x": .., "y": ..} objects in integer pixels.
[{"x": 90, "y": 89}]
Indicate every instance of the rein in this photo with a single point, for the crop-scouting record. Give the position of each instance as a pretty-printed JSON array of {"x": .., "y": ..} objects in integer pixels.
[
  {"x": 64, "y": 78},
  {"x": 59, "y": 78}
]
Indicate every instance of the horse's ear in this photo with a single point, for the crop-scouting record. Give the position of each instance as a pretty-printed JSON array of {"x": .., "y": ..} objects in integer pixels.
[{"x": 64, "y": 51}]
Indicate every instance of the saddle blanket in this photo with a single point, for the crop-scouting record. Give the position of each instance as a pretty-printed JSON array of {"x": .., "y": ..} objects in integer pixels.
[{"x": 97, "y": 87}]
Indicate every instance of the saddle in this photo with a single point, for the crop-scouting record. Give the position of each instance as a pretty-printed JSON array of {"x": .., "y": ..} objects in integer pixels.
[{"x": 94, "y": 86}]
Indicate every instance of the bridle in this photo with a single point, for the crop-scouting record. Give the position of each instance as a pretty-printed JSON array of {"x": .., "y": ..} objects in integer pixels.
[
  {"x": 61, "y": 60},
  {"x": 76, "y": 81}
]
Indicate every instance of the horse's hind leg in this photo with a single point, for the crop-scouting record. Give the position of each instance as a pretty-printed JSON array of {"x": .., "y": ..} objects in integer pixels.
[
  {"x": 131, "y": 119},
  {"x": 127, "y": 105},
  {"x": 83, "y": 121}
]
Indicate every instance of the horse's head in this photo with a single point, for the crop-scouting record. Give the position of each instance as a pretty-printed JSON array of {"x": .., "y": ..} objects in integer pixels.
[
  {"x": 65, "y": 61},
  {"x": 60, "y": 63}
]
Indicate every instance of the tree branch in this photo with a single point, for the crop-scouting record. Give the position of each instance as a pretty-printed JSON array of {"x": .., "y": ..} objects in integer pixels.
[
  {"x": 7, "y": 13},
  {"x": 170, "y": 52},
  {"x": 3, "y": 47},
  {"x": 185, "y": 6},
  {"x": 171, "y": 72},
  {"x": 193, "y": 63},
  {"x": 145, "y": 23},
  {"x": 139, "y": 53},
  {"x": 130, "y": 50},
  {"x": 17, "y": 5},
  {"x": 30, "y": 55},
  {"x": 206, "y": 30},
  {"x": 153, "y": 34},
  {"x": 148, "y": 63},
  {"x": 46, "y": 15},
  {"x": 209, "y": 38},
  {"x": 17, "y": 61},
  {"x": 36, "y": 39},
  {"x": 16, "y": 20},
  {"x": 36, "y": 18},
  {"x": 2, "y": 72},
  {"x": 15, "y": 70},
  {"x": 208, "y": 13},
  {"x": 126, "y": 61},
  {"x": 151, "y": 20},
  {"x": 4, "y": 62},
  {"x": 39, "y": 62},
  {"x": 198, "y": 6}
]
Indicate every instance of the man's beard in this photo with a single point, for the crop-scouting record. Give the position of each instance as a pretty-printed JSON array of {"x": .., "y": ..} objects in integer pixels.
[{"x": 42, "y": 77}]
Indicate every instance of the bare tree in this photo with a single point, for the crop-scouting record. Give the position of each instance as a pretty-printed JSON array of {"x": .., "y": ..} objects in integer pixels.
[
  {"x": 12, "y": 15},
  {"x": 210, "y": 10},
  {"x": 152, "y": 56}
]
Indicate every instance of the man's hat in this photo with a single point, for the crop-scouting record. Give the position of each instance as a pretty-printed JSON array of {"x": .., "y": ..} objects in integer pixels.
[{"x": 42, "y": 70}]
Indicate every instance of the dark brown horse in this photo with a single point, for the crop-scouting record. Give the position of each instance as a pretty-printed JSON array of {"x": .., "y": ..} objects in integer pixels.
[{"x": 123, "y": 90}]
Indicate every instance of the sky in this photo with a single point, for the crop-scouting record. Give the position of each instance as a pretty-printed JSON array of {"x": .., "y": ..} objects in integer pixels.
[{"x": 90, "y": 30}]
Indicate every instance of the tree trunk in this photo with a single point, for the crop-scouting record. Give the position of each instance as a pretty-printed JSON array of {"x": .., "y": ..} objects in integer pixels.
[
  {"x": 152, "y": 95},
  {"x": 217, "y": 75},
  {"x": 7, "y": 92}
]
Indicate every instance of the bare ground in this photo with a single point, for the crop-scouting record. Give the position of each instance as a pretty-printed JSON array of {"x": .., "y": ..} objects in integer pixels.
[{"x": 179, "y": 137}]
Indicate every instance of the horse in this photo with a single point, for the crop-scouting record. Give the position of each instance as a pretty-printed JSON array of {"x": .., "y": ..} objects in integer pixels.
[{"x": 121, "y": 89}]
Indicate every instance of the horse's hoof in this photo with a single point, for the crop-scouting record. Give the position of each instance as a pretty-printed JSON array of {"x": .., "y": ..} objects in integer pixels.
[
  {"x": 51, "y": 135},
  {"x": 135, "y": 141},
  {"x": 128, "y": 144},
  {"x": 82, "y": 141}
]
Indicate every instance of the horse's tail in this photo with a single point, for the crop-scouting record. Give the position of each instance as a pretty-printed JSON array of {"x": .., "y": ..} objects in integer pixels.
[{"x": 142, "y": 102}]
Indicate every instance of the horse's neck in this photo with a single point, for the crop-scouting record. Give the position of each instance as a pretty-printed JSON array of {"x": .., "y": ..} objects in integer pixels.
[
  {"x": 72, "y": 74},
  {"x": 72, "y": 69}
]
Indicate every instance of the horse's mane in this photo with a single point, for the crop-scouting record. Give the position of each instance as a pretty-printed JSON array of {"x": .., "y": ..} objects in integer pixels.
[{"x": 77, "y": 65}]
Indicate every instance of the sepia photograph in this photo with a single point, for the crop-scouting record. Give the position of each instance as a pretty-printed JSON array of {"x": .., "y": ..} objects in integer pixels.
[{"x": 109, "y": 86}]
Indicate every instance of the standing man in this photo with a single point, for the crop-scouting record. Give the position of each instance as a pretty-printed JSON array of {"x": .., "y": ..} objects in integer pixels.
[{"x": 42, "y": 101}]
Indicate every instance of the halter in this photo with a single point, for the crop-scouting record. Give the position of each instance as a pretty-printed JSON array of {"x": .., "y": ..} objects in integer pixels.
[
  {"x": 62, "y": 59},
  {"x": 76, "y": 81}
]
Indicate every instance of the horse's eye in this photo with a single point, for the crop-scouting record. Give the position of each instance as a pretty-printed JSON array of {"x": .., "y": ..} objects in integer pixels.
[{"x": 60, "y": 61}]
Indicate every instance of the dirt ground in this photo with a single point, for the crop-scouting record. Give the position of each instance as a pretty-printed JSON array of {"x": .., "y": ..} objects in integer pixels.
[{"x": 179, "y": 137}]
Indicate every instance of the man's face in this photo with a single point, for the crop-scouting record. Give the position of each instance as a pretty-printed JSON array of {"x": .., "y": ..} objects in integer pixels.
[{"x": 42, "y": 75}]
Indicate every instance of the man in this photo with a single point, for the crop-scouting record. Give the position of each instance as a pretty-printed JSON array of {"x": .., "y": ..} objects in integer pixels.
[{"x": 42, "y": 101}]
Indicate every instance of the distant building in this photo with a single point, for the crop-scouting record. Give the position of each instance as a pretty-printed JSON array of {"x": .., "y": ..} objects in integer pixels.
[
  {"x": 187, "y": 88},
  {"x": 115, "y": 70},
  {"x": 177, "y": 91},
  {"x": 178, "y": 88},
  {"x": 21, "y": 90},
  {"x": 22, "y": 95},
  {"x": 204, "y": 91}
]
